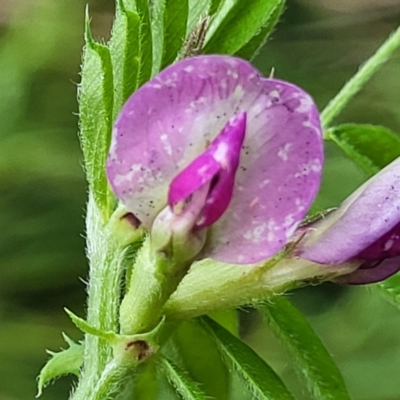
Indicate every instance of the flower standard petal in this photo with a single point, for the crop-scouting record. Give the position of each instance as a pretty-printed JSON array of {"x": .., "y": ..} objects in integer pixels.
[
  {"x": 171, "y": 120},
  {"x": 278, "y": 177}
]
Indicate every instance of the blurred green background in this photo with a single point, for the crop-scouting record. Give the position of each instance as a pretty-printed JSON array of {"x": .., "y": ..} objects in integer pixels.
[{"x": 318, "y": 45}]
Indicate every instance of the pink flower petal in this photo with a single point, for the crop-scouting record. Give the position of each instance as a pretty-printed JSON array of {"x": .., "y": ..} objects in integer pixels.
[
  {"x": 217, "y": 166},
  {"x": 360, "y": 224},
  {"x": 386, "y": 247},
  {"x": 381, "y": 271},
  {"x": 169, "y": 122}
]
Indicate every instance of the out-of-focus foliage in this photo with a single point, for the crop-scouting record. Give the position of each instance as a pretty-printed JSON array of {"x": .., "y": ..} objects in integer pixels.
[
  {"x": 43, "y": 193},
  {"x": 372, "y": 147},
  {"x": 42, "y": 188},
  {"x": 309, "y": 357}
]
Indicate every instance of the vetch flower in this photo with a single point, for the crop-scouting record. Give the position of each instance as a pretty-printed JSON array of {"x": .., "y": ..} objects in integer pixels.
[
  {"x": 209, "y": 147},
  {"x": 365, "y": 229}
]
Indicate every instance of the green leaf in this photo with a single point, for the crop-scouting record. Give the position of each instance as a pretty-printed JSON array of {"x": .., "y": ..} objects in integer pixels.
[
  {"x": 198, "y": 9},
  {"x": 229, "y": 319},
  {"x": 251, "y": 49},
  {"x": 96, "y": 98},
  {"x": 390, "y": 289},
  {"x": 185, "y": 386},
  {"x": 157, "y": 29},
  {"x": 175, "y": 23},
  {"x": 237, "y": 22},
  {"x": 309, "y": 356},
  {"x": 197, "y": 352},
  {"x": 169, "y": 25},
  {"x": 371, "y": 147},
  {"x": 145, "y": 42},
  {"x": 124, "y": 50},
  {"x": 215, "y": 5},
  {"x": 258, "y": 376},
  {"x": 145, "y": 384},
  {"x": 65, "y": 362},
  {"x": 85, "y": 327}
]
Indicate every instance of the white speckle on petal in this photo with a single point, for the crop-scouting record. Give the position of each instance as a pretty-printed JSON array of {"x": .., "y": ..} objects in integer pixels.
[
  {"x": 275, "y": 94},
  {"x": 189, "y": 68},
  {"x": 255, "y": 235},
  {"x": 264, "y": 183},
  {"x": 283, "y": 151},
  {"x": 254, "y": 202},
  {"x": 166, "y": 143},
  {"x": 299, "y": 203},
  {"x": 289, "y": 220},
  {"x": 121, "y": 179},
  {"x": 232, "y": 73},
  {"x": 238, "y": 93},
  {"x": 258, "y": 108},
  {"x": 203, "y": 170},
  {"x": 307, "y": 169},
  {"x": 388, "y": 245},
  {"x": 305, "y": 106},
  {"x": 220, "y": 154}
]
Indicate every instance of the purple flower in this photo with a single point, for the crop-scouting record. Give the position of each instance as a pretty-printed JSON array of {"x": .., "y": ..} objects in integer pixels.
[
  {"x": 214, "y": 147},
  {"x": 365, "y": 229}
]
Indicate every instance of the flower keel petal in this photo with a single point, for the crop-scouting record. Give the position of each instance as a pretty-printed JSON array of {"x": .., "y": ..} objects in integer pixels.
[{"x": 216, "y": 166}]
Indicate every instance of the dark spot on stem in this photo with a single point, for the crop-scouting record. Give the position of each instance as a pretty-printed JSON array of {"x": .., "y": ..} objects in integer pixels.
[{"x": 141, "y": 349}]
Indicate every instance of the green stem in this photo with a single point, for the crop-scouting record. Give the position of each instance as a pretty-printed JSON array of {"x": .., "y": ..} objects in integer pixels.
[
  {"x": 105, "y": 256},
  {"x": 113, "y": 378},
  {"x": 357, "y": 82},
  {"x": 154, "y": 278}
]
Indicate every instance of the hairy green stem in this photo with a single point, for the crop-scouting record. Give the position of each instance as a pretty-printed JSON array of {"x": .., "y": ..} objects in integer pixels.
[
  {"x": 113, "y": 378},
  {"x": 105, "y": 256},
  {"x": 358, "y": 81}
]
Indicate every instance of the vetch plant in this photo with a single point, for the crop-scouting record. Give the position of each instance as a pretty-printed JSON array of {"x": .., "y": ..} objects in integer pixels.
[
  {"x": 224, "y": 165},
  {"x": 201, "y": 173}
]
